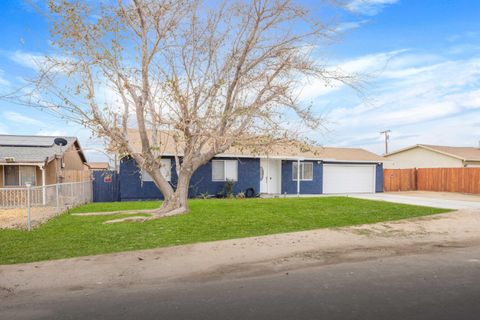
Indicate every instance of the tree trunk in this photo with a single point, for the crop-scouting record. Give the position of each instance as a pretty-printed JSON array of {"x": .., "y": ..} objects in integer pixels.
[{"x": 177, "y": 203}]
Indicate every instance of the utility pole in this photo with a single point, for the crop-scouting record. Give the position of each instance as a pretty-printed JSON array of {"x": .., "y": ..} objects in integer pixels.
[{"x": 387, "y": 137}]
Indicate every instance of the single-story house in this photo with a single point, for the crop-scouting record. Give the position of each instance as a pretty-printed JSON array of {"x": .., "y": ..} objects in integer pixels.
[
  {"x": 38, "y": 160},
  {"x": 322, "y": 171},
  {"x": 432, "y": 156},
  {"x": 98, "y": 166}
]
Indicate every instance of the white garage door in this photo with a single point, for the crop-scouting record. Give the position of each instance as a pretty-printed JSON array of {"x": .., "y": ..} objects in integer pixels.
[{"x": 348, "y": 178}]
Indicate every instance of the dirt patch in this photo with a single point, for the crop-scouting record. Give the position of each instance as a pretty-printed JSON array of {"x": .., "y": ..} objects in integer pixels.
[
  {"x": 247, "y": 257},
  {"x": 16, "y": 218},
  {"x": 315, "y": 258}
]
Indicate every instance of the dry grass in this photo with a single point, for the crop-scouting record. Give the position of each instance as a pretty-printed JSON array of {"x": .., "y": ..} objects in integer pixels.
[{"x": 16, "y": 218}]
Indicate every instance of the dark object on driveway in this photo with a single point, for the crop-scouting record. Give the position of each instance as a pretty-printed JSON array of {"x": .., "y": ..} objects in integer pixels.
[{"x": 250, "y": 193}]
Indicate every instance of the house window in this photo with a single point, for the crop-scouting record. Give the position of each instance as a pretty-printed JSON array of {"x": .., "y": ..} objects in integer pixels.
[
  {"x": 306, "y": 171},
  {"x": 223, "y": 170},
  {"x": 12, "y": 176},
  {"x": 27, "y": 175},
  {"x": 16, "y": 176},
  {"x": 165, "y": 170}
]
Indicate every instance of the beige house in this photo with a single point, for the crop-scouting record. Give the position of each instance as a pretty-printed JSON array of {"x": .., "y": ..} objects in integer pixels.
[
  {"x": 38, "y": 161},
  {"x": 430, "y": 156}
]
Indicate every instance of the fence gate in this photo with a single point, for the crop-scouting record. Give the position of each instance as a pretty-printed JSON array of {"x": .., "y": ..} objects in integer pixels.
[{"x": 106, "y": 186}]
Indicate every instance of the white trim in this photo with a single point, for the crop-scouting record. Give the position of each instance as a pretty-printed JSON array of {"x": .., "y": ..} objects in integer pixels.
[
  {"x": 275, "y": 171},
  {"x": 146, "y": 177},
  {"x": 429, "y": 148},
  {"x": 295, "y": 158},
  {"x": 372, "y": 166},
  {"x": 302, "y": 165},
  {"x": 20, "y": 175},
  {"x": 44, "y": 194},
  {"x": 298, "y": 176},
  {"x": 38, "y": 164},
  {"x": 225, "y": 178}
]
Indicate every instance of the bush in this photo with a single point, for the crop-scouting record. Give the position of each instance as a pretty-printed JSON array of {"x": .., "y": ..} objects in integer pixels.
[
  {"x": 204, "y": 195},
  {"x": 229, "y": 188}
]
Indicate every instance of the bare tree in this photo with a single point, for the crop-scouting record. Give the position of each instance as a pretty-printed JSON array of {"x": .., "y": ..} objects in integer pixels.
[{"x": 205, "y": 75}]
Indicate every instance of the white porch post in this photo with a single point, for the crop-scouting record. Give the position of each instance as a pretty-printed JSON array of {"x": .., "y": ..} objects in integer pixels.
[
  {"x": 268, "y": 175},
  {"x": 298, "y": 177},
  {"x": 44, "y": 194}
]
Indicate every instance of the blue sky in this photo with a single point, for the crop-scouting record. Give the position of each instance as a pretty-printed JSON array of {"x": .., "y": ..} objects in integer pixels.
[{"x": 422, "y": 58}]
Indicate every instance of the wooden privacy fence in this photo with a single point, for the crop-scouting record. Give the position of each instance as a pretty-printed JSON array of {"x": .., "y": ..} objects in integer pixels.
[
  {"x": 463, "y": 180},
  {"x": 399, "y": 180}
]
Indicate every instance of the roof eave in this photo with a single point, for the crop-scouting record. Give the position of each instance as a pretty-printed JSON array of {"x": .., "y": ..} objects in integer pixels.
[{"x": 427, "y": 148}]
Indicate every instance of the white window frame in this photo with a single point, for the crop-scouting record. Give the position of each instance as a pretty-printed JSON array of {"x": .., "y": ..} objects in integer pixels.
[
  {"x": 147, "y": 178},
  {"x": 34, "y": 182},
  {"x": 302, "y": 171},
  {"x": 225, "y": 175}
]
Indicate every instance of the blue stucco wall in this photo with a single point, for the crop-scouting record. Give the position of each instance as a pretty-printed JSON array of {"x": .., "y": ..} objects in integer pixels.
[
  {"x": 379, "y": 178},
  {"x": 289, "y": 186},
  {"x": 248, "y": 177},
  {"x": 132, "y": 188}
]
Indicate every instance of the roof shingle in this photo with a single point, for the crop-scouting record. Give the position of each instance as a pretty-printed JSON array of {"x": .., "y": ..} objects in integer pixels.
[
  {"x": 32, "y": 148},
  {"x": 285, "y": 151}
]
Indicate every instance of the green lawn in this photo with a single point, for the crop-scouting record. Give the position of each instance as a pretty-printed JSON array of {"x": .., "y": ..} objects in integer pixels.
[{"x": 71, "y": 236}]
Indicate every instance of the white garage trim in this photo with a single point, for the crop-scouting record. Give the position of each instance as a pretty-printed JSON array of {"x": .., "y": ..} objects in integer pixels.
[{"x": 349, "y": 178}]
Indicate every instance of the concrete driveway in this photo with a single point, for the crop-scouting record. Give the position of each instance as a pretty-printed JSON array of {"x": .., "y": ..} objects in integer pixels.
[{"x": 445, "y": 200}]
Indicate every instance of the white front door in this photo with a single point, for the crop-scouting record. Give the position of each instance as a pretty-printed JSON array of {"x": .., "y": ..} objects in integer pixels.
[
  {"x": 270, "y": 173},
  {"x": 348, "y": 178}
]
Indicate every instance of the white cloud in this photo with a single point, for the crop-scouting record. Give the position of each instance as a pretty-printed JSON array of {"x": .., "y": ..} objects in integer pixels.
[
  {"x": 3, "y": 82},
  {"x": 21, "y": 119},
  {"x": 29, "y": 60},
  {"x": 39, "y": 61},
  {"x": 413, "y": 96},
  {"x": 52, "y": 133},
  {"x": 368, "y": 7},
  {"x": 368, "y": 65},
  {"x": 346, "y": 26},
  {"x": 3, "y": 130}
]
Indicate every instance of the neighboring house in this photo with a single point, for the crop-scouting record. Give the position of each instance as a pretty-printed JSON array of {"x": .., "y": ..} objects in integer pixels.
[
  {"x": 38, "y": 161},
  {"x": 98, "y": 166},
  {"x": 430, "y": 156},
  {"x": 322, "y": 171}
]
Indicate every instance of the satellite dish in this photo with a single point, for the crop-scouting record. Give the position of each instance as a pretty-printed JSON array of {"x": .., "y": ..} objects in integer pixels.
[{"x": 60, "y": 142}]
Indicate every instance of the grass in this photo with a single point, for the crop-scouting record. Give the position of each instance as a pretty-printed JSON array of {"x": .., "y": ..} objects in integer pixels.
[{"x": 72, "y": 236}]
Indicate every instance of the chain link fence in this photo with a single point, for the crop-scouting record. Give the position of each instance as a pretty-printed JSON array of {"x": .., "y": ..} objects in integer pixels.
[{"x": 29, "y": 206}]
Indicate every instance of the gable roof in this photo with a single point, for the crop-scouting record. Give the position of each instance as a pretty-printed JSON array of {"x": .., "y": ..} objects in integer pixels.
[
  {"x": 98, "y": 165},
  {"x": 34, "y": 149},
  {"x": 461, "y": 153},
  {"x": 283, "y": 151}
]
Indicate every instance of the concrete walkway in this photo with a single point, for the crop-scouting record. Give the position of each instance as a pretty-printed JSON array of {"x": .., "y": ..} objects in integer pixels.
[{"x": 431, "y": 199}]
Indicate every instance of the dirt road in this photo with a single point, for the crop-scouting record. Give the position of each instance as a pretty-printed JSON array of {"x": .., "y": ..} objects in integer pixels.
[{"x": 89, "y": 286}]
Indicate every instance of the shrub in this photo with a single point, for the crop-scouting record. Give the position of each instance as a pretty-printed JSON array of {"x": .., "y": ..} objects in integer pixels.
[{"x": 229, "y": 188}]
